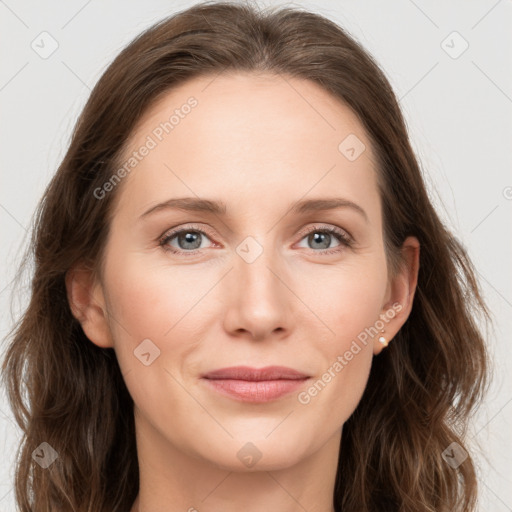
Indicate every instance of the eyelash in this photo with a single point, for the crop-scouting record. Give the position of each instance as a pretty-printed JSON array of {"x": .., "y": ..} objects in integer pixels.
[{"x": 341, "y": 235}]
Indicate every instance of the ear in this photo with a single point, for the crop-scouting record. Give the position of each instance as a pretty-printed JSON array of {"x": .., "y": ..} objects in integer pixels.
[
  {"x": 87, "y": 303},
  {"x": 400, "y": 292}
]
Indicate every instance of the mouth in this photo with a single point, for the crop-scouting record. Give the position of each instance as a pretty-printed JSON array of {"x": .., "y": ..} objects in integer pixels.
[{"x": 255, "y": 385}]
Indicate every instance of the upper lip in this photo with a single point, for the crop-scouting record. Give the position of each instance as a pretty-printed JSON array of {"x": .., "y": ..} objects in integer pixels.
[{"x": 256, "y": 374}]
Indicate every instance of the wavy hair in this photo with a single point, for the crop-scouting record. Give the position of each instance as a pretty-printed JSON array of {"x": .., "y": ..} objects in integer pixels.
[{"x": 70, "y": 393}]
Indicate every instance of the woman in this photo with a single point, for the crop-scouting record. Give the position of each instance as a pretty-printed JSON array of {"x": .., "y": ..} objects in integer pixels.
[{"x": 249, "y": 370}]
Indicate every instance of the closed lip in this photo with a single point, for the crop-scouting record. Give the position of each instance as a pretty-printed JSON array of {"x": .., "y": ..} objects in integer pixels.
[{"x": 256, "y": 374}]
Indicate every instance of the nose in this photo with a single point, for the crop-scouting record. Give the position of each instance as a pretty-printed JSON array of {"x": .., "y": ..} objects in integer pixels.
[{"x": 259, "y": 304}]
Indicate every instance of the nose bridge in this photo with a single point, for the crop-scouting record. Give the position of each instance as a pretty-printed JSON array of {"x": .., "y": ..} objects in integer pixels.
[
  {"x": 255, "y": 265},
  {"x": 258, "y": 302}
]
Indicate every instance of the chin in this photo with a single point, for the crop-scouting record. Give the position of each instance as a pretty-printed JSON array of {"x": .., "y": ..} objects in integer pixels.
[{"x": 258, "y": 455}]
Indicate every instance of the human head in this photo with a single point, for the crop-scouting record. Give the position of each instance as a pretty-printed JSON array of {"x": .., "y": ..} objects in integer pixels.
[{"x": 75, "y": 224}]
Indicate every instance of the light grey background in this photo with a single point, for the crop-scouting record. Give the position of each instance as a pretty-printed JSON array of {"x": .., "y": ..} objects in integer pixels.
[{"x": 458, "y": 109}]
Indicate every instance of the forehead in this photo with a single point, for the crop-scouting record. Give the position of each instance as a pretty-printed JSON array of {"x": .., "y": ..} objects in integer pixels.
[
  {"x": 244, "y": 134},
  {"x": 239, "y": 105}
]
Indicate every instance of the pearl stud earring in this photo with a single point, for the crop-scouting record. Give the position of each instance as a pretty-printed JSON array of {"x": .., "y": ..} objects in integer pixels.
[{"x": 383, "y": 340}]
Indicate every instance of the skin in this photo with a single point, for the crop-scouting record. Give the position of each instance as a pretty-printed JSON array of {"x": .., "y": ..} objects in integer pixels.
[{"x": 259, "y": 143}]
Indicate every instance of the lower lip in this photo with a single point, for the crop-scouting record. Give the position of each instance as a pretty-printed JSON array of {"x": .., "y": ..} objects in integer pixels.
[{"x": 255, "y": 391}]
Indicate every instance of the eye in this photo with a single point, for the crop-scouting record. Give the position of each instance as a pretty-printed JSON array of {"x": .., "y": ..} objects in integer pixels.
[
  {"x": 189, "y": 240},
  {"x": 320, "y": 237}
]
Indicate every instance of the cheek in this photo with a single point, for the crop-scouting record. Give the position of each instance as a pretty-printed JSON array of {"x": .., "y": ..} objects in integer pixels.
[
  {"x": 350, "y": 308},
  {"x": 148, "y": 301},
  {"x": 352, "y": 299},
  {"x": 164, "y": 306}
]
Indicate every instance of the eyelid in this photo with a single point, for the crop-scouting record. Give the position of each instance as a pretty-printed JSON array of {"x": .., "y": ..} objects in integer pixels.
[
  {"x": 326, "y": 227},
  {"x": 181, "y": 227}
]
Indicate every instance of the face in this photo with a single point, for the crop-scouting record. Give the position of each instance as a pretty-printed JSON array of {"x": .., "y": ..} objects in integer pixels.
[{"x": 272, "y": 277}]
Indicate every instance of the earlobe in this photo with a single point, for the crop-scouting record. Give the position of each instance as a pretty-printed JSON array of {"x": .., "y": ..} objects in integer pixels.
[
  {"x": 87, "y": 304},
  {"x": 402, "y": 288}
]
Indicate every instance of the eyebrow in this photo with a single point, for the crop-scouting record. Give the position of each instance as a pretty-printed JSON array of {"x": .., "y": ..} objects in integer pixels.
[{"x": 195, "y": 204}]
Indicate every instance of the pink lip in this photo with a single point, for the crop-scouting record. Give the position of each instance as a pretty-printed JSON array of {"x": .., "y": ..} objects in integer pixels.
[{"x": 255, "y": 385}]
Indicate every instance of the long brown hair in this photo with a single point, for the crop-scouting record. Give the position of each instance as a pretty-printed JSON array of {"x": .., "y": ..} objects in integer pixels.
[{"x": 70, "y": 393}]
